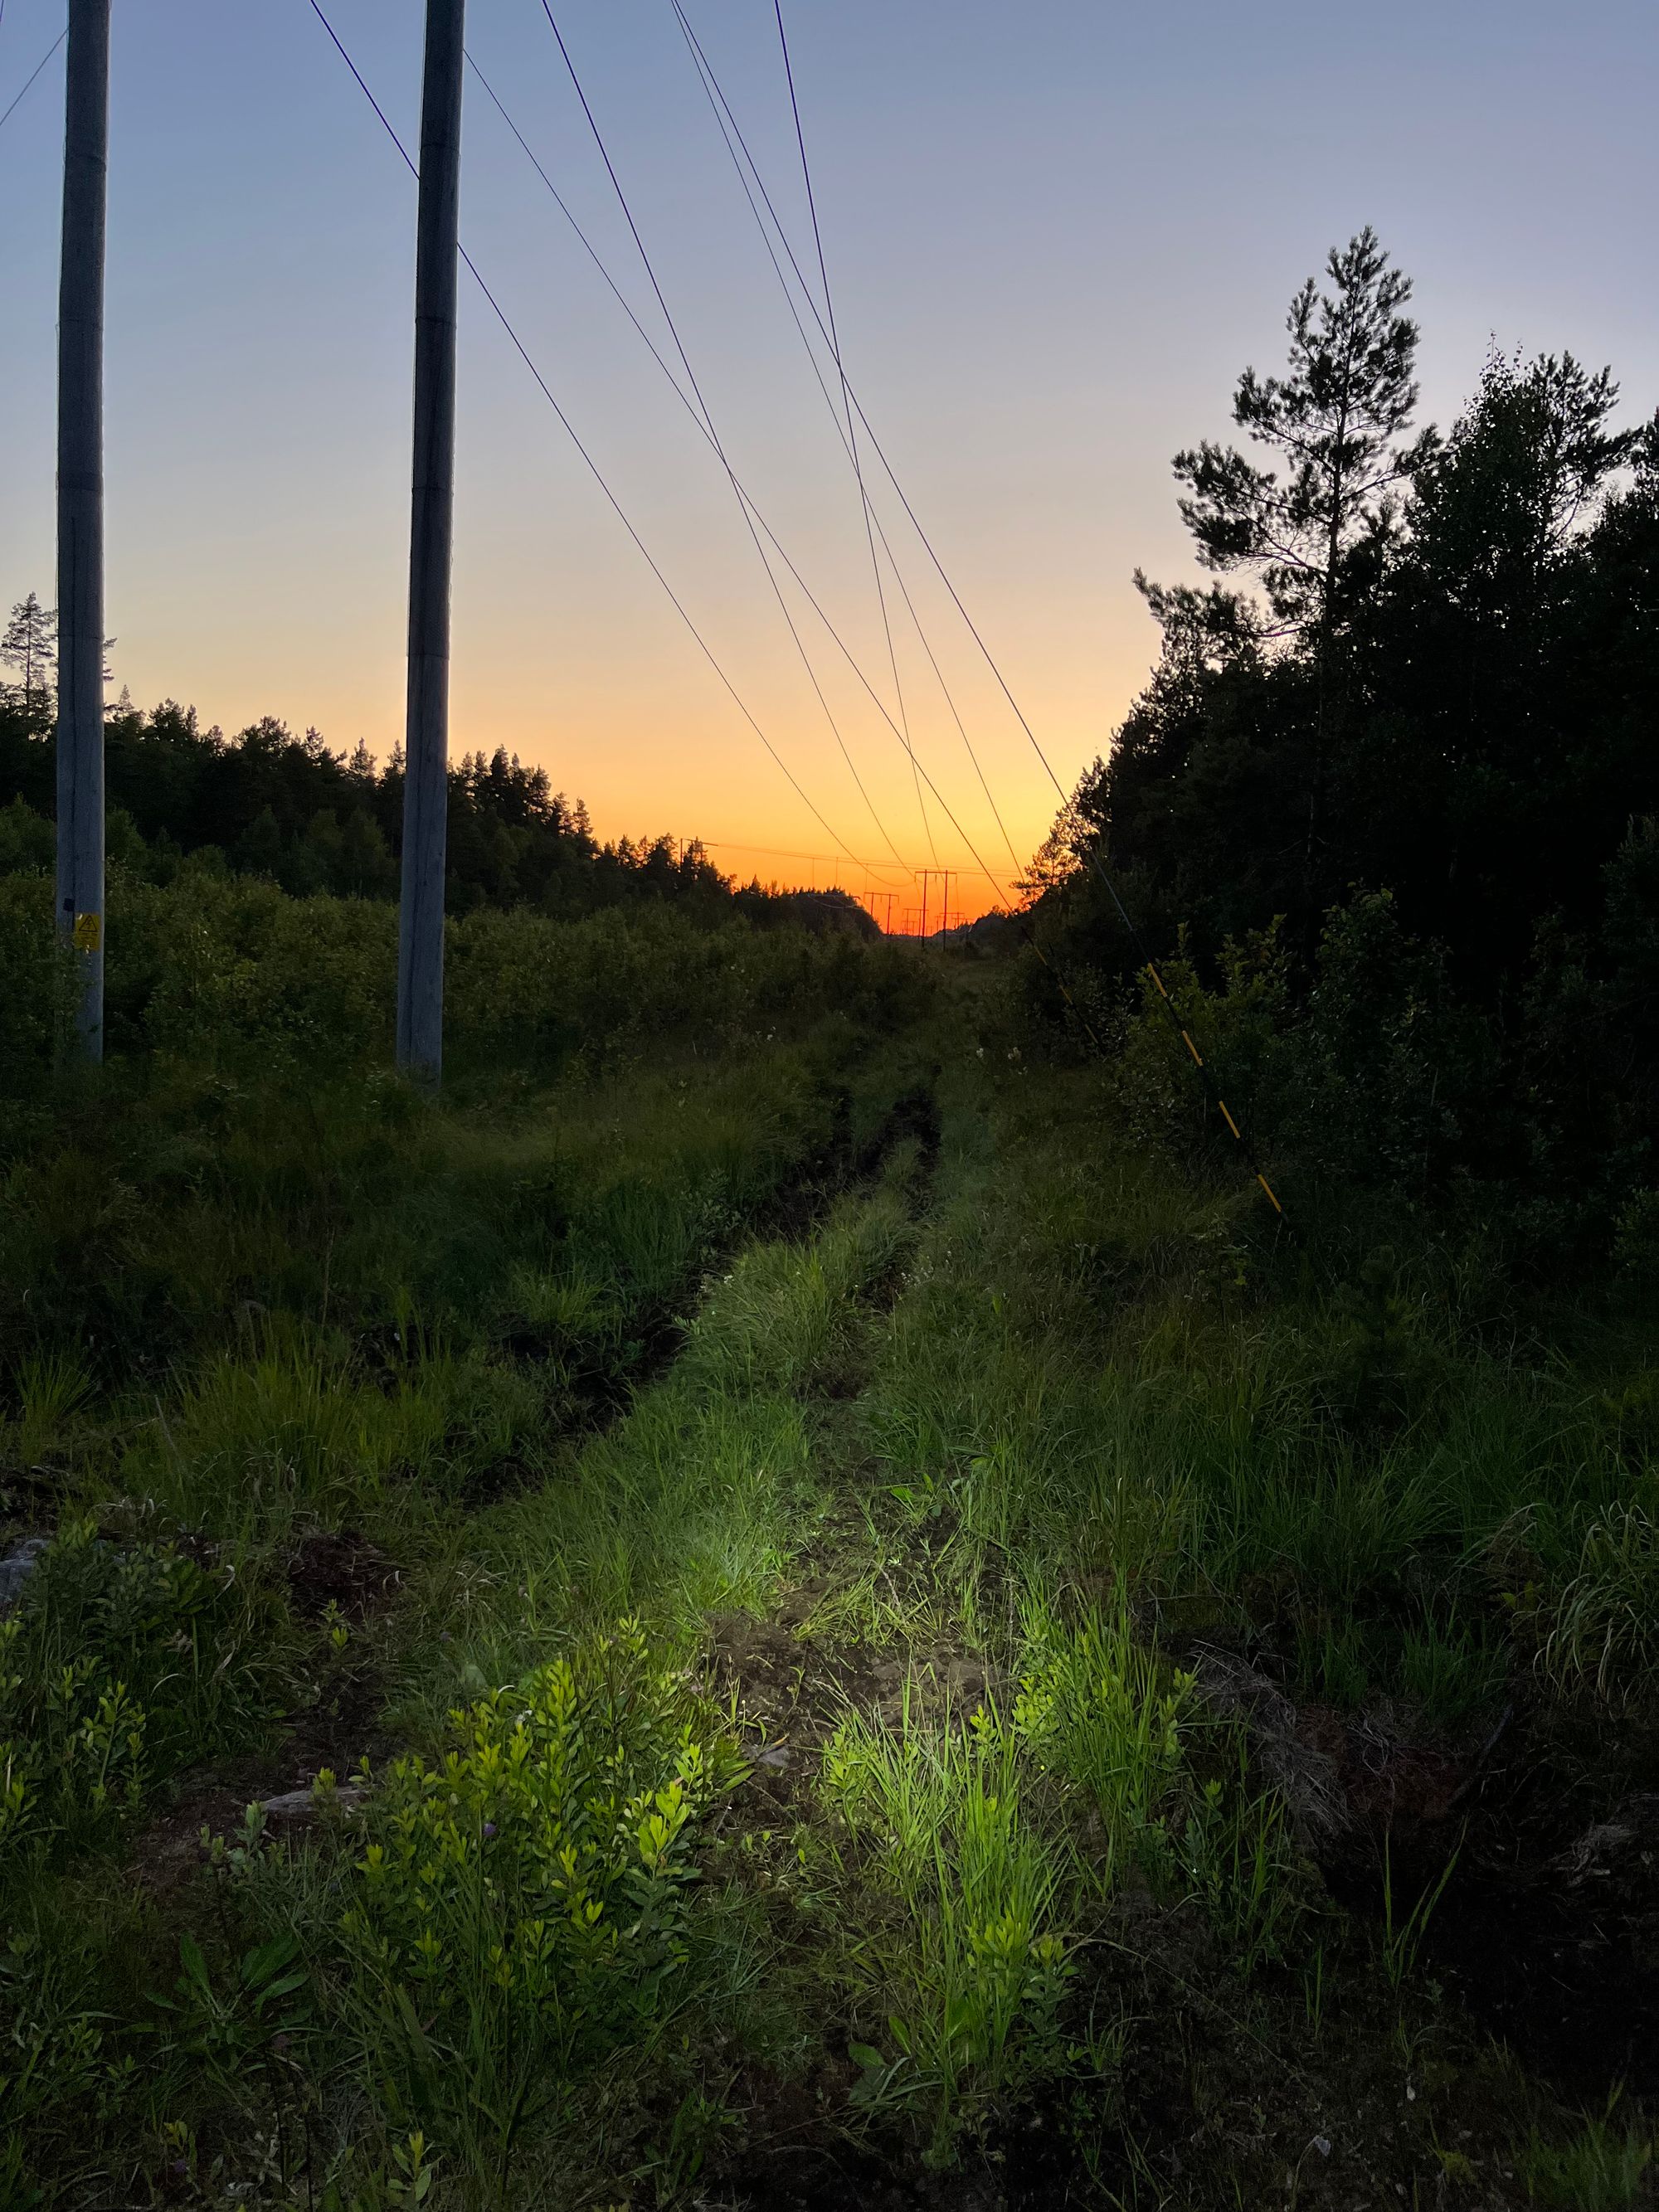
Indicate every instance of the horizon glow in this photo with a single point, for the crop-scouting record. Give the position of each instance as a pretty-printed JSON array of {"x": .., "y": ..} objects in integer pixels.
[{"x": 1055, "y": 236}]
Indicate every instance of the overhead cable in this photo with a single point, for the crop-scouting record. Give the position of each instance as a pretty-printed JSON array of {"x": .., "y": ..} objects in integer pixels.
[
  {"x": 851, "y": 427},
  {"x": 699, "y": 415},
  {"x": 597, "y": 474},
  {"x": 28, "y": 81},
  {"x": 1091, "y": 854},
  {"x": 726, "y": 124},
  {"x": 902, "y": 734},
  {"x": 713, "y": 434}
]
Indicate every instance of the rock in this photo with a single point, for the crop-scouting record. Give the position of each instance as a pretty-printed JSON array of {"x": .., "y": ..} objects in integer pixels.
[
  {"x": 16, "y": 1568},
  {"x": 293, "y": 1808}
]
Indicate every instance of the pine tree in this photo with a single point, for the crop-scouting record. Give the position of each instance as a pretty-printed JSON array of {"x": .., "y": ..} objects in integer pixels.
[
  {"x": 1338, "y": 419},
  {"x": 29, "y": 645}
]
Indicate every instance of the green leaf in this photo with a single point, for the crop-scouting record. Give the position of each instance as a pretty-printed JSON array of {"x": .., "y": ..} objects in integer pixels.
[
  {"x": 195, "y": 1965},
  {"x": 268, "y": 1959}
]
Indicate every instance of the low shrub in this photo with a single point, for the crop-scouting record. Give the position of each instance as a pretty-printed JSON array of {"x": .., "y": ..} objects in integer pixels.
[
  {"x": 524, "y": 1904},
  {"x": 119, "y": 1664}
]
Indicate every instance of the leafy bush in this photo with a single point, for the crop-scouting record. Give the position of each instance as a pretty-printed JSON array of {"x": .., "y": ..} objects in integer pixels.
[
  {"x": 1235, "y": 1027},
  {"x": 66, "y": 2071},
  {"x": 233, "y": 972},
  {"x": 118, "y": 1666},
  {"x": 1635, "y": 1241},
  {"x": 1366, "y": 1081},
  {"x": 525, "y": 1904},
  {"x": 1374, "y": 1083}
]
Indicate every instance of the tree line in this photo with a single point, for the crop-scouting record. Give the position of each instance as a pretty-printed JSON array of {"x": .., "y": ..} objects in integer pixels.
[
  {"x": 1391, "y": 793},
  {"x": 268, "y": 803}
]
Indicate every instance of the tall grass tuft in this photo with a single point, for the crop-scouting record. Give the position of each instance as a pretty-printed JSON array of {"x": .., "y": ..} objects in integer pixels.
[{"x": 962, "y": 1979}]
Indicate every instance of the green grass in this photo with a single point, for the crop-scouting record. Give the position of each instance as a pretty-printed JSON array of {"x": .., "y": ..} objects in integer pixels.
[
  {"x": 950, "y": 1945},
  {"x": 800, "y": 1680},
  {"x": 1602, "y": 2169},
  {"x": 694, "y": 1503}
]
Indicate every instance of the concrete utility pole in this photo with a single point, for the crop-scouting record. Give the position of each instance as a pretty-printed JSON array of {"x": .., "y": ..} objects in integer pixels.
[
  {"x": 426, "y": 771},
  {"x": 81, "y": 518}
]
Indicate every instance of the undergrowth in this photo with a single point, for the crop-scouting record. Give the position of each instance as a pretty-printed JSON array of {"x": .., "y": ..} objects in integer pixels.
[{"x": 877, "y": 1626}]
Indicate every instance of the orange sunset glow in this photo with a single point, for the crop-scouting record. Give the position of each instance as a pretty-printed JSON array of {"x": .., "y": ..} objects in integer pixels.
[{"x": 1030, "y": 333}]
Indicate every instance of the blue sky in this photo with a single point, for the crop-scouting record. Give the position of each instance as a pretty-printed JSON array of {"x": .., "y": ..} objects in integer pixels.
[{"x": 1056, "y": 232}]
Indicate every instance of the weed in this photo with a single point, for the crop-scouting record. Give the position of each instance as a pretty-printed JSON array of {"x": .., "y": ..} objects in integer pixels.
[
  {"x": 1600, "y": 2170},
  {"x": 116, "y": 1667},
  {"x": 255, "y": 1447},
  {"x": 1237, "y": 1850},
  {"x": 1314, "y": 1992},
  {"x": 1402, "y": 1936},
  {"x": 1598, "y": 1632},
  {"x": 237, "y": 2032},
  {"x": 1332, "y": 1660},
  {"x": 52, "y": 1391},
  {"x": 1451, "y": 1676},
  {"x": 1096, "y": 1704},
  {"x": 969, "y": 1973}
]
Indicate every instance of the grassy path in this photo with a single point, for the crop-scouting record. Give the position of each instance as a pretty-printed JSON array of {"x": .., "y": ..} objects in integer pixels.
[
  {"x": 930, "y": 1745},
  {"x": 1018, "y": 1897}
]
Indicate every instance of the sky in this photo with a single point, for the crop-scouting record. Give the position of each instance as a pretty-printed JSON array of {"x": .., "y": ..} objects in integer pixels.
[{"x": 1055, "y": 231}]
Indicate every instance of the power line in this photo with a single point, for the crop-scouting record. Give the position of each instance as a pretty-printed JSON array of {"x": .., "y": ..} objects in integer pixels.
[
  {"x": 1092, "y": 856},
  {"x": 701, "y": 55},
  {"x": 709, "y": 432},
  {"x": 592, "y": 466},
  {"x": 726, "y": 123},
  {"x": 705, "y": 431},
  {"x": 783, "y": 853},
  {"x": 852, "y": 430},
  {"x": 690, "y": 406},
  {"x": 29, "y": 80},
  {"x": 684, "y": 397},
  {"x": 713, "y": 434}
]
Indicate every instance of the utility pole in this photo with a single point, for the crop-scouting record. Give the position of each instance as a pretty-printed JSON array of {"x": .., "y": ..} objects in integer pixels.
[
  {"x": 923, "y": 872},
  {"x": 81, "y": 518},
  {"x": 425, "y": 785}
]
